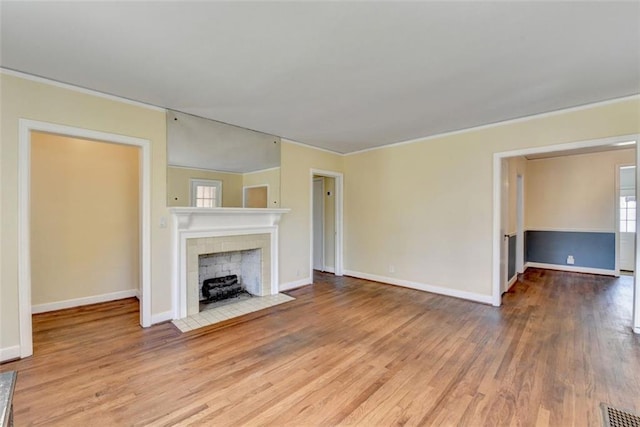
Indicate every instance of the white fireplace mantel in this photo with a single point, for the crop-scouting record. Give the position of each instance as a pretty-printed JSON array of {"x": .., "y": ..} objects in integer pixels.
[
  {"x": 198, "y": 218},
  {"x": 190, "y": 223}
]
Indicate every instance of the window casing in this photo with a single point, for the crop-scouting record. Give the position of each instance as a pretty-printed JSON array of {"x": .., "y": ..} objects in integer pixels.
[{"x": 206, "y": 193}]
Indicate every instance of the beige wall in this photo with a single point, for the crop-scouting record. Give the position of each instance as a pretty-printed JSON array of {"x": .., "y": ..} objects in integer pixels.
[
  {"x": 329, "y": 221},
  {"x": 21, "y": 98},
  {"x": 270, "y": 177},
  {"x": 295, "y": 227},
  {"x": 574, "y": 192},
  {"x": 426, "y": 207},
  {"x": 179, "y": 186},
  {"x": 84, "y": 218}
]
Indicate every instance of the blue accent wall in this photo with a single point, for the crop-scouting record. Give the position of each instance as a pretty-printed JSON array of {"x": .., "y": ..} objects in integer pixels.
[
  {"x": 511, "y": 267},
  {"x": 592, "y": 250}
]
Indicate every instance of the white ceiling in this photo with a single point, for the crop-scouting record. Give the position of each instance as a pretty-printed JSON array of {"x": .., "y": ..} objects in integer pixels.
[{"x": 344, "y": 76}]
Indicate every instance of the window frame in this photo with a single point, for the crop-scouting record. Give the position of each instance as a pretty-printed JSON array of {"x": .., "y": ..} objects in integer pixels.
[{"x": 195, "y": 183}]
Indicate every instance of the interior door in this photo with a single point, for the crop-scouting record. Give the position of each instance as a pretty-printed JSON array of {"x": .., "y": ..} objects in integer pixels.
[
  {"x": 627, "y": 216},
  {"x": 318, "y": 224}
]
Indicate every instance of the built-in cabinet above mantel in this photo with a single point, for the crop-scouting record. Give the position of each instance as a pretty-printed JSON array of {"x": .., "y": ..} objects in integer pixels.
[{"x": 187, "y": 218}]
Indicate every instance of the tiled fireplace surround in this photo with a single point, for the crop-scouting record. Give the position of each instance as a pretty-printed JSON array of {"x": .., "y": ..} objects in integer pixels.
[
  {"x": 215, "y": 245},
  {"x": 201, "y": 231}
]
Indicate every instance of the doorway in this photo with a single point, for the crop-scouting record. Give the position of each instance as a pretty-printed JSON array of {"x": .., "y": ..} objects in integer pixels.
[
  {"x": 326, "y": 226},
  {"x": 626, "y": 217},
  {"x": 554, "y": 151},
  {"x": 26, "y": 128},
  {"x": 318, "y": 223}
]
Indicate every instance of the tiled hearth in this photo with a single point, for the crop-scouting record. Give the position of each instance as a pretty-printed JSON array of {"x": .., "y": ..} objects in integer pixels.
[{"x": 226, "y": 312}]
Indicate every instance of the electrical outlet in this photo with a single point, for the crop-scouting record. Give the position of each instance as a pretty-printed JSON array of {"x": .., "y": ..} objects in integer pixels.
[
  {"x": 163, "y": 222},
  {"x": 571, "y": 260},
  {"x": 392, "y": 268}
]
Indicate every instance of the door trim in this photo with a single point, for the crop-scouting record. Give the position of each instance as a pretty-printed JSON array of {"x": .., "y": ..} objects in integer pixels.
[
  {"x": 497, "y": 190},
  {"x": 319, "y": 179},
  {"x": 339, "y": 194},
  {"x": 24, "y": 211}
]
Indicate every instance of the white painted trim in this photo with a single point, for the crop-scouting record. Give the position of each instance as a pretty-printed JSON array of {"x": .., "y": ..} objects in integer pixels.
[
  {"x": 636, "y": 282},
  {"x": 571, "y": 268},
  {"x": 9, "y": 353},
  {"x": 79, "y": 89},
  {"x": 339, "y": 218},
  {"x": 497, "y": 171},
  {"x": 25, "y": 128},
  {"x": 261, "y": 170},
  {"x": 511, "y": 281},
  {"x": 203, "y": 169},
  {"x": 501, "y": 123},
  {"x": 244, "y": 192},
  {"x": 79, "y": 302},
  {"x": 572, "y": 230},
  {"x": 520, "y": 209},
  {"x": 470, "y": 296},
  {"x": 327, "y": 269},
  {"x": 161, "y": 317},
  {"x": 313, "y": 147},
  {"x": 319, "y": 179},
  {"x": 295, "y": 284}
]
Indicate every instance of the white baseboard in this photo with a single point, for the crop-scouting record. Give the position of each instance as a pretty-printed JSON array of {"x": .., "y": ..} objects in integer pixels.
[
  {"x": 636, "y": 330},
  {"x": 571, "y": 268},
  {"x": 513, "y": 280},
  {"x": 77, "y": 302},
  {"x": 161, "y": 317},
  {"x": 329, "y": 269},
  {"x": 295, "y": 284},
  {"x": 9, "y": 353},
  {"x": 471, "y": 296}
]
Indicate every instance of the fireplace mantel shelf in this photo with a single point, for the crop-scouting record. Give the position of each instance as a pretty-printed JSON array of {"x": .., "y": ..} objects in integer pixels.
[{"x": 193, "y": 218}]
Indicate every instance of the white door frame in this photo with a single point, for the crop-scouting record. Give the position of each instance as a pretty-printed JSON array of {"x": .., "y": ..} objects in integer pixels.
[
  {"x": 339, "y": 195},
  {"x": 519, "y": 223},
  {"x": 24, "y": 227},
  {"x": 313, "y": 224},
  {"x": 617, "y": 215},
  {"x": 497, "y": 190}
]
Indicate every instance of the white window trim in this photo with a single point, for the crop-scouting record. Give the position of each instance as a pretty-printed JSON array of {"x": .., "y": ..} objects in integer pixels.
[{"x": 193, "y": 185}]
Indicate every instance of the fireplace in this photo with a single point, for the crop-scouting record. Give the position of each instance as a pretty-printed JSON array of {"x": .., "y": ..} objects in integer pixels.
[{"x": 228, "y": 234}]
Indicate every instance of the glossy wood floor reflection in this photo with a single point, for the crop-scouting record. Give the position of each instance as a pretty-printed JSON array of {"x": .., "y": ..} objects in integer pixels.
[{"x": 346, "y": 351}]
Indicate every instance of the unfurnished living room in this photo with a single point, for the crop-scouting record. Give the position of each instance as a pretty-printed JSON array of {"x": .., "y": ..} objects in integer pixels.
[{"x": 319, "y": 213}]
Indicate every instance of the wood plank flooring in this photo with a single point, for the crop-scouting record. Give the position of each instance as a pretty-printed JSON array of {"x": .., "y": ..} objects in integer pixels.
[{"x": 345, "y": 352}]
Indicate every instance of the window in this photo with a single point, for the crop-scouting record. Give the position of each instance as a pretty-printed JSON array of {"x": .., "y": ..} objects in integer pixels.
[
  {"x": 627, "y": 214},
  {"x": 206, "y": 193}
]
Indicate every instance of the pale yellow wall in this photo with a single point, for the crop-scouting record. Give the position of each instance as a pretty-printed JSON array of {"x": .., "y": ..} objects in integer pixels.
[
  {"x": 426, "y": 207},
  {"x": 179, "y": 186},
  {"x": 517, "y": 166},
  {"x": 270, "y": 177},
  {"x": 573, "y": 192},
  {"x": 20, "y": 98},
  {"x": 295, "y": 227},
  {"x": 329, "y": 221},
  {"x": 84, "y": 218}
]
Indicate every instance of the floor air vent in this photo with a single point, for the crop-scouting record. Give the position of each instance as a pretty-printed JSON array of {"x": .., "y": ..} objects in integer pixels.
[{"x": 618, "y": 418}]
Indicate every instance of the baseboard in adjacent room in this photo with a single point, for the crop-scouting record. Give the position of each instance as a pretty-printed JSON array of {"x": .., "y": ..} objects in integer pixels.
[
  {"x": 571, "y": 268},
  {"x": 78, "y": 302},
  {"x": 329, "y": 269},
  {"x": 295, "y": 284},
  {"x": 470, "y": 296},
  {"x": 9, "y": 353}
]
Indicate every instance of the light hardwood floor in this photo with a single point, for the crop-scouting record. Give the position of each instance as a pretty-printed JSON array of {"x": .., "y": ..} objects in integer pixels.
[{"x": 346, "y": 351}]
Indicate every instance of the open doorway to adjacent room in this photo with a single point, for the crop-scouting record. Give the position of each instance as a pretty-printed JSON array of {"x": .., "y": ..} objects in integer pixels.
[{"x": 569, "y": 207}]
